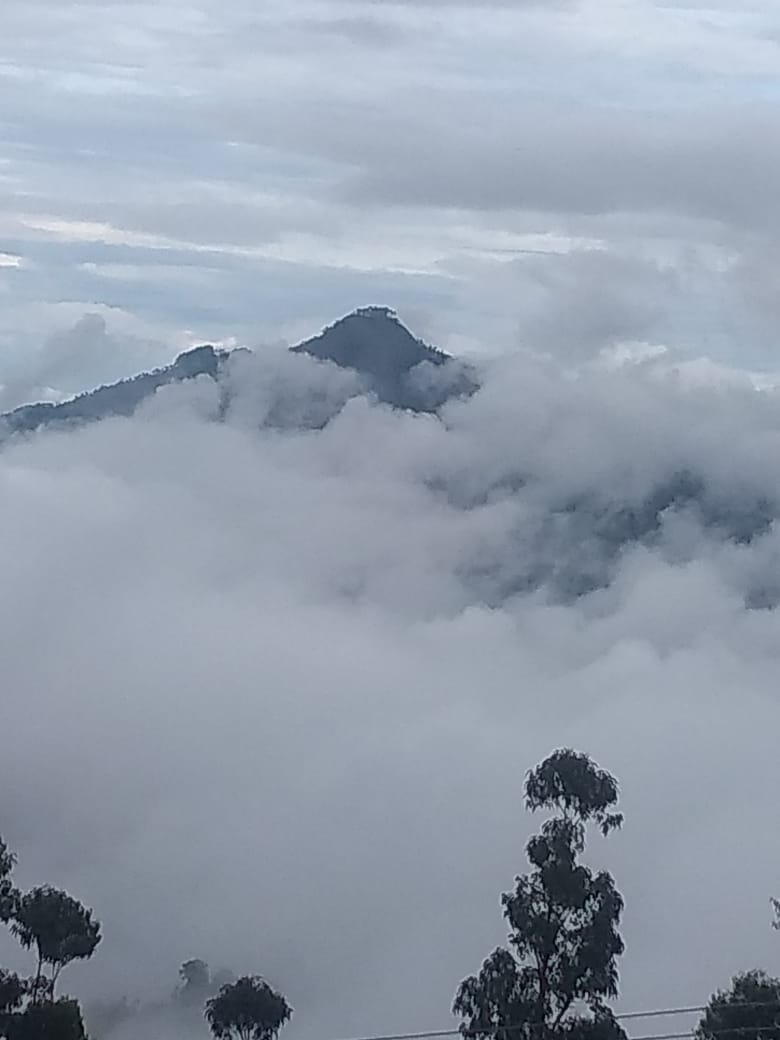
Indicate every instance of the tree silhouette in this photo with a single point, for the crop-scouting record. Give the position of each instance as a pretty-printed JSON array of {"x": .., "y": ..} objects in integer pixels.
[
  {"x": 12, "y": 993},
  {"x": 563, "y": 921},
  {"x": 61, "y": 930},
  {"x": 748, "y": 1010},
  {"x": 248, "y": 1009},
  {"x": 59, "y": 927},
  {"x": 60, "y": 1020},
  {"x": 7, "y": 891}
]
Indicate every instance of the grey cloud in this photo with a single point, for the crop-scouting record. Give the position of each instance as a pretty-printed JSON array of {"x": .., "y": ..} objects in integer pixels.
[
  {"x": 718, "y": 168},
  {"x": 85, "y": 355},
  {"x": 580, "y": 303},
  {"x": 241, "y": 128},
  {"x": 49, "y": 360},
  {"x": 359, "y": 29},
  {"x": 481, "y": 4}
]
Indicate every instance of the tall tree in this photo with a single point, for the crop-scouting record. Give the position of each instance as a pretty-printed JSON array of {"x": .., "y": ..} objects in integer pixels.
[
  {"x": 563, "y": 919},
  {"x": 748, "y": 1010},
  {"x": 248, "y": 1009},
  {"x": 59, "y": 927}
]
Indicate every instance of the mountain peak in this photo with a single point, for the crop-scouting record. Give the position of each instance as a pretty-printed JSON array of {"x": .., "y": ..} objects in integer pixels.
[
  {"x": 374, "y": 311},
  {"x": 371, "y": 340},
  {"x": 374, "y": 342}
]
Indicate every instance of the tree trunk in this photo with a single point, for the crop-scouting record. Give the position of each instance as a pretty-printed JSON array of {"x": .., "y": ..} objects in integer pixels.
[{"x": 37, "y": 981}]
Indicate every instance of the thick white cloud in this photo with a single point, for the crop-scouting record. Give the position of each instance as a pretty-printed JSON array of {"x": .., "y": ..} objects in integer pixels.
[{"x": 260, "y": 711}]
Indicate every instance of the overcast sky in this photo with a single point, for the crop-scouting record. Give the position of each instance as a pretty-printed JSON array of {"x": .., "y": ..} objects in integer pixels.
[
  {"x": 265, "y": 703},
  {"x": 563, "y": 175}
]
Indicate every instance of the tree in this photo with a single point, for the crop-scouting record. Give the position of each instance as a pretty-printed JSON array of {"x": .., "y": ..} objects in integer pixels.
[
  {"x": 248, "y": 1009},
  {"x": 59, "y": 926},
  {"x": 12, "y": 993},
  {"x": 749, "y": 1010},
  {"x": 61, "y": 930},
  {"x": 563, "y": 921},
  {"x": 7, "y": 891},
  {"x": 196, "y": 981},
  {"x": 60, "y": 1020}
]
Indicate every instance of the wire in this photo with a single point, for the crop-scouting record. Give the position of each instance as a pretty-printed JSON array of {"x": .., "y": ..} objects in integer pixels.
[
  {"x": 694, "y": 1009},
  {"x": 710, "y": 1032},
  {"x": 624, "y": 1016}
]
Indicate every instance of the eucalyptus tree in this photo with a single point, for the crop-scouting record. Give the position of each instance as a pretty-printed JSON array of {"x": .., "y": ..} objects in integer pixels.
[{"x": 560, "y": 968}]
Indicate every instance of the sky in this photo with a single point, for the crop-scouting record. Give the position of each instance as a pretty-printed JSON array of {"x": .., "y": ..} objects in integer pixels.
[
  {"x": 269, "y": 695},
  {"x": 561, "y": 176}
]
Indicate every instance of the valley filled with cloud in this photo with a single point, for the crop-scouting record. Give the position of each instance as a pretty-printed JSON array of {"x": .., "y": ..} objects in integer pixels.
[{"x": 270, "y": 693}]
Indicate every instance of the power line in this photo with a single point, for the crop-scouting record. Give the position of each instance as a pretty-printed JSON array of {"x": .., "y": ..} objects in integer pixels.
[
  {"x": 694, "y": 1009},
  {"x": 624, "y": 1016},
  {"x": 710, "y": 1032}
]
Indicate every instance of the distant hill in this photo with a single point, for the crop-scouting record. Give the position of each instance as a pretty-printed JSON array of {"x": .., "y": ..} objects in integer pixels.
[{"x": 398, "y": 368}]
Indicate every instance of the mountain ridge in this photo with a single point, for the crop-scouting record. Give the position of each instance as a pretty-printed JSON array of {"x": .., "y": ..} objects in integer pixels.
[
  {"x": 370, "y": 340},
  {"x": 576, "y": 543}
]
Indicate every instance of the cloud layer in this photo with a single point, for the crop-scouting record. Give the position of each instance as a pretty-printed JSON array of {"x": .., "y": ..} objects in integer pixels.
[{"x": 266, "y": 706}]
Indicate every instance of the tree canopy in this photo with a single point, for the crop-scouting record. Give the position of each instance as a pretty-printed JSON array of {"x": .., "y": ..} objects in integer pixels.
[
  {"x": 248, "y": 1009},
  {"x": 58, "y": 1020},
  {"x": 748, "y": 1010},
  {"x": 59, "y": 927}
]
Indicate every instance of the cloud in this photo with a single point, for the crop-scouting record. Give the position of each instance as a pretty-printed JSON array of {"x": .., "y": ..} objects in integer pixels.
[
  {"x": 76, "y": 359},
  {"x": 711, "y": 168},
  {"x": 270, "y": 707},
  {"x": 358, "y": 29},
  {"x": 233, "y": 140},
  {"x": 438, "y": 4}
]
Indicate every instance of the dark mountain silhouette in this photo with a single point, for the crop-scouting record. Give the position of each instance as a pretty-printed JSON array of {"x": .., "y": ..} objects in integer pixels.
[
  {"x": 374, "y": 342},
  {"x": 116, "y": 400},
  {"x": 400, "y": 370}
]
